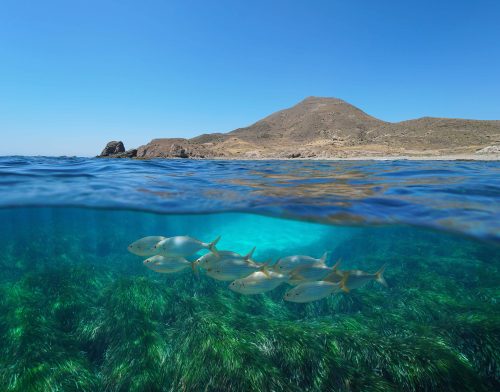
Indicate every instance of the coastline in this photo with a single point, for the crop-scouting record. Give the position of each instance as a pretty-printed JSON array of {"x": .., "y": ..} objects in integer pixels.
[{"x": 457, "y": 157}]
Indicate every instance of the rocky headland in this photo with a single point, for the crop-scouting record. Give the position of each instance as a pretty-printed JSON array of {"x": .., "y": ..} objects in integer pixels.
[{"x": 330, "y": 128}]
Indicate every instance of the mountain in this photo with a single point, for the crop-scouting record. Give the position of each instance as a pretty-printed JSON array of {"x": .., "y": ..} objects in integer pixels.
[{"x": 330, "y": 128}]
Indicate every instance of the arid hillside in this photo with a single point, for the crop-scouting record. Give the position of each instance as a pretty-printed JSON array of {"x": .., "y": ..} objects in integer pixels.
[{"x": 331, "y": 128}]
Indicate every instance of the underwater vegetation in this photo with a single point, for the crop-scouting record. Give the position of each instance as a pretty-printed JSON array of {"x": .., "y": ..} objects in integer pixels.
[{"x": 83, "y": 315}]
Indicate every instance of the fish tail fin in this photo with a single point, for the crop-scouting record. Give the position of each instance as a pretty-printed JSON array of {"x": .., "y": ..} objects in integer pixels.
[
  {"x": 194, "y": 266},
  {"x": 336, "y": 266},
  {"x": 324, "y": 257},
  {"x": 249, "y": 255},
  {"x": 343, "y": 282},
  {"x": 379, "y": 276},
  {"x": 212, "y": 248}
]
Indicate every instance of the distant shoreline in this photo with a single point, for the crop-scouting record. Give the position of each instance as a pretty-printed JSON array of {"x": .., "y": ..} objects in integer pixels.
[{"x": 458, "y": 157}]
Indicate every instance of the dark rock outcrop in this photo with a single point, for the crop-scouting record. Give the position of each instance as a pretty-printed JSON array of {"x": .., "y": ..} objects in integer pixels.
[
  {"x": 112, "y": 148},
  {"x": 116, "y": 149},
  {"x": 132, "y": 153}
]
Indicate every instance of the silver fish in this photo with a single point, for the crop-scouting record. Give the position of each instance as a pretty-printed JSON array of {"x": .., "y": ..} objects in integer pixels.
[
  {"x": 287, "y": 264},
  {"x": 309, "y": 273},
  {"x": 210, "y": 259},
  {"x": 232, "y": 269},
  {"x": 311, "y": 291},
  {"x": 184, "y": 246},
  {"x": 258, "y": 282},
  {"x": 168, "y": 264},
  {"x": 145, "y": 246},
  {"x": 354, "y": 279}
]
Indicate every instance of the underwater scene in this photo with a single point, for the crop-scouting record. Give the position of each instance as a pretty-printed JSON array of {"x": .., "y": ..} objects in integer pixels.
[{"x": 409, "y": 253}]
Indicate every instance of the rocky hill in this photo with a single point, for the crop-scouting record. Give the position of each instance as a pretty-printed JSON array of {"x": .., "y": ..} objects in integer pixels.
[{"x": 332, "y": 128}]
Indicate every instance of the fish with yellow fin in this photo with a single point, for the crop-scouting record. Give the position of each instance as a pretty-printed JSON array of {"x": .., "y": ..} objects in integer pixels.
[
  {"x": 311, "y": 291},
  {"x": 184, "y": 246},
  {"x": 258, "y": 282},
  {"x": 354, "y": 279},
  {"x": 210, "y": 259}
]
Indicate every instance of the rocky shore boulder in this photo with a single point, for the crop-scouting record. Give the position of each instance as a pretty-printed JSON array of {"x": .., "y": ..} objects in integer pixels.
[
  {"x": 112, "y": 148},
  {"x": 116, "y": 149},
  {"x": 489, "y": 150}
]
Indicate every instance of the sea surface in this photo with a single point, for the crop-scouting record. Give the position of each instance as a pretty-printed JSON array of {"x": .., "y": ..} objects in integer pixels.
[{"x": 78, "y": 312}]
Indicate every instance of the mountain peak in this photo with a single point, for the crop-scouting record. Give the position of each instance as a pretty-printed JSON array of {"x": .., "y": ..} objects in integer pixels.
[{"x": 314, "y": 99}]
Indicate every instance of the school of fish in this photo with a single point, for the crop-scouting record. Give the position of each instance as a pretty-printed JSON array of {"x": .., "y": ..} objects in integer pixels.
[{"x": 312, "y": 279}]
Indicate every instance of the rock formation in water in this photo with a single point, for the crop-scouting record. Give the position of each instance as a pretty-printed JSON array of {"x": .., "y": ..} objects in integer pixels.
[
  {"x": 331, "y": 128},
  {"x": 116, "y": 149}
]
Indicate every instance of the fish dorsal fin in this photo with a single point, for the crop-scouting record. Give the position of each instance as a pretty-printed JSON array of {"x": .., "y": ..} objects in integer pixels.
[
  {"x": 324, "y": 257},
  {"x": 212, "y": 248},
  {"x": 249, "y": 255}
]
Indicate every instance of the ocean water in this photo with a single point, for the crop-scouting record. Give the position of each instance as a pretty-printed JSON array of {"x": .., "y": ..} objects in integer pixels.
[{"x": 78, "y": 312}]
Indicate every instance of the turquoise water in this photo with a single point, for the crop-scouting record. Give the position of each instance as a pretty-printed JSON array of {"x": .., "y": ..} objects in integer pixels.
[{"x": 80, "y": 313}]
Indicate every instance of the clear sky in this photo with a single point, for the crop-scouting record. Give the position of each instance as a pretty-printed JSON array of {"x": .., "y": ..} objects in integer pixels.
[{"x": 76, "y": 74}]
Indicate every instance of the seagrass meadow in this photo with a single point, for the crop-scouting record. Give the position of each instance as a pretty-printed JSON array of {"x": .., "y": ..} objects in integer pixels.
[{"x": 80, "y": 313}]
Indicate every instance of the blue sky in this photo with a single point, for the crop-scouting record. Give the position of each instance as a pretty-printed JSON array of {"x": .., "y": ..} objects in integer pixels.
[{"x": 76, "y": 74}]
